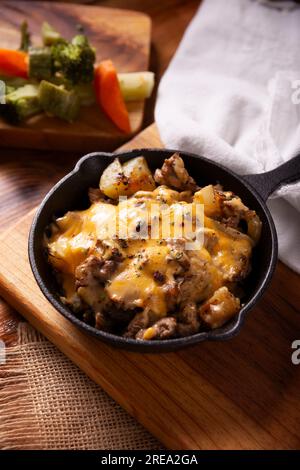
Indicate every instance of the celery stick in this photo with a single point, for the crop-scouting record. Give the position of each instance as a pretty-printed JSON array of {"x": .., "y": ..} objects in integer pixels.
[{"x": 136, "y": 86}]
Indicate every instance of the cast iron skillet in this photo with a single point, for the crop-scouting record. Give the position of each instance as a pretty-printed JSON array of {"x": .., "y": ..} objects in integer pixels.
[{"x": 70, "y": 193}]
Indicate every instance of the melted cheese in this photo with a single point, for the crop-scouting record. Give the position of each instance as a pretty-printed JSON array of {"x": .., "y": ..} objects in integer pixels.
[{"x": 133, "y": 283}]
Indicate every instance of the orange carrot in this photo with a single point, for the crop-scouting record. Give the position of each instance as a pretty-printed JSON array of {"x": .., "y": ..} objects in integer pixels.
[
  {"x": 14, "y": 63},
  {"x": 109, "y": 95}
]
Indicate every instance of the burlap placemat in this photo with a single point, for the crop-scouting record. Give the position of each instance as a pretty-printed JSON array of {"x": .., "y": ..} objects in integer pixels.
[{"x": 46, "y": 402}]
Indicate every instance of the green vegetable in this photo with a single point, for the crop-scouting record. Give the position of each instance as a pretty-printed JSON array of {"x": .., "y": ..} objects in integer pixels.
[
  {"x": 49, "y": 35},
  {"x": 57, "y": 101},
  {"x": 61, "y": 75},
  {"x": 75, "y": 60},
  {"x": 84, "y": 91},
  {"x": 12, "y": 83},
  {"x": 21, "y": 104},
  {"x": 80, "y": 40},
  {"x": 136, "y": 86},
  {"x": 9, "y": 89},
  {"x": 25, "y": 37},
  {"x": 40, "y": 63}
]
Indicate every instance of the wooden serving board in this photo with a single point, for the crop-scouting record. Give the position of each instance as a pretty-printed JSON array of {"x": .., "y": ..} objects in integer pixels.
[
  {"x": 121, "y": 35},
  {"x": 240, "y": 394}
]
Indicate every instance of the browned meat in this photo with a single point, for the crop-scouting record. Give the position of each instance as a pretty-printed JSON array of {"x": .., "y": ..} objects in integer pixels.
[
  {"x": 90, "y": 281},
  {"x": 159, "y": 277},
  {"x": 171, "y": 291},
  {"x": 92, "y": 268},
  {"x": 75, "y": 302},
  {"x": 188, "y": 320},
  {"x": 241, "y": 270},
  {"x": 95, "y": 195},
  {"x": 108, "y": 250},
  {"x": 97, "y": 267},
  {"x": 219, "y": 308},
  {"x": 163, "y": 329},
  {"x": 186, "y": 196},
  {"x": 174, "y": 174},
  {"x": 118, "y": 315},
  {"x": 102, "y": 322},
  {"x": 178, "y": 254},
  {"x": 195, "y": 285},
  {"x": 234, "y": 210},
  {"x": 210, "y": 239},
  {"x": 139, "y": 322}
]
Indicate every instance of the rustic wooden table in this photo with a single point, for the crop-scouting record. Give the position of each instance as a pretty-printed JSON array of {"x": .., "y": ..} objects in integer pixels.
[{"x": 26, "y": 176}]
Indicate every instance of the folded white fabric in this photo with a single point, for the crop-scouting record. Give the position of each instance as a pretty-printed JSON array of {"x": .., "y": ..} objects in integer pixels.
[{"x": 232, "y": 94}]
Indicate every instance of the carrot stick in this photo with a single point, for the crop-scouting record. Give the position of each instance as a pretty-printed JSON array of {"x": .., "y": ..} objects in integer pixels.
[
  {"x": 14, "y": 63},
  {"x": 109, "y": 95}
]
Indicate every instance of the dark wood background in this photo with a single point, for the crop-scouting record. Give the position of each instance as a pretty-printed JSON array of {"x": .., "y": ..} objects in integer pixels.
[{"x": 26, "y": 175}]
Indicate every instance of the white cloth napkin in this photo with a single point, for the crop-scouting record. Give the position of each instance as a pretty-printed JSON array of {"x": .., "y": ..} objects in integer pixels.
[{"x": 232, "y": 94}]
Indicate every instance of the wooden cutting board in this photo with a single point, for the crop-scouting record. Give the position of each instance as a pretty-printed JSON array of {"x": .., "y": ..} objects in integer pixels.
[
  {"x": 121, "y": 35},
  {"x": 240, "y": 394}
]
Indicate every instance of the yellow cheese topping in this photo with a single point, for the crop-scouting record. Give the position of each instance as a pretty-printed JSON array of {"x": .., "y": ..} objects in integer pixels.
[{"x": 133, "y": 283}]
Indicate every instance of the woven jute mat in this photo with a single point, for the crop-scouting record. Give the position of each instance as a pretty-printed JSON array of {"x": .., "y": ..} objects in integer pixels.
[{"x": 46, "y": 402}]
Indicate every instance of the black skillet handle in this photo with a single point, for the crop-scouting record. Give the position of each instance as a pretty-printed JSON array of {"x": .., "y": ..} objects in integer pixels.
[{"x": 266, "y": 183}]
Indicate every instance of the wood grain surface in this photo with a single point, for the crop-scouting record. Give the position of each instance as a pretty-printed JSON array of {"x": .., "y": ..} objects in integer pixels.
[
  {"x": 240, "y": 394},
  {"x": 122, "y": 35}
]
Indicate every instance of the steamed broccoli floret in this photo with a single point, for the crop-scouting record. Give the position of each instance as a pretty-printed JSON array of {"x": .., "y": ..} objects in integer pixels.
[
  {"x": 75, "y": 60},
  {"x": 21, "y": 104}
]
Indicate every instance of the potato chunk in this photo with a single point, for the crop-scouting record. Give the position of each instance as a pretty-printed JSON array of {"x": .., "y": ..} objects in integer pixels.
[
  {"x": 112, "y": 182},
  {"x": 139, "y": 176},
  {"x": 124, "y": 180},
  {"x": 220, "y": 308},
  {"x": 211, "y": 200}
]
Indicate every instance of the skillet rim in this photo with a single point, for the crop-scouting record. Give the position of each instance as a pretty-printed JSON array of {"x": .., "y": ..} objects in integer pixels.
[{"x": 157, "y": 345}]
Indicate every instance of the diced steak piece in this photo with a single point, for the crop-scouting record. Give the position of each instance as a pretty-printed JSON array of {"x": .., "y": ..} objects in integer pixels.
[
  {"x": 95, "y": 195},
  {"x": 102, "y": 322},
  {"x": 139, "y": 322},
  {"x": 196, "y": 283},
  {"x": 178, "y": 254},
  {"x": 210, "y": 239},
  {"x": 174, "y": 174},
  {"x": 188, "y": 320},
  {"x": 163, "y": 329},
  {"x": 94, "y": 268},
  {"x": 75, "y": 302},
  {"x": 234, "y": 210},
  {"x": 90, "y": 280},
  {"x": 171, "y": 291},
  {"x": 118, "y": 315}
]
